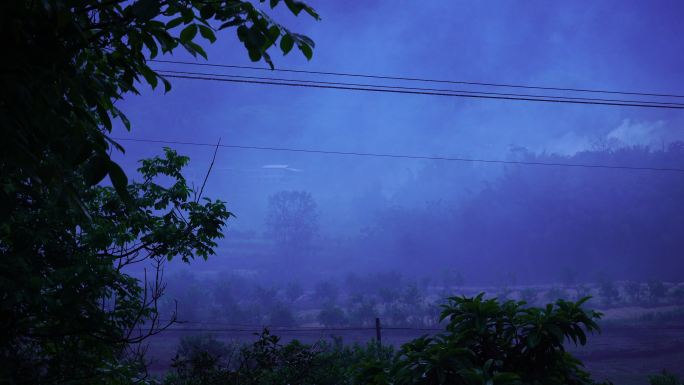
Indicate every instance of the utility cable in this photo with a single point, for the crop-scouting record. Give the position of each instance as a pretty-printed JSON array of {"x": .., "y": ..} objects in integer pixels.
[
  {"x": 416, "y": 92},
  {"x": 456, "y": 92},
  {"x": 406, "y": 156},
  {"x": 415, "y": 79}
]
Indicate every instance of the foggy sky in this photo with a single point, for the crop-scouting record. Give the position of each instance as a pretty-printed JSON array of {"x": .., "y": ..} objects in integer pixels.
[{"x": 615, "y": 45}]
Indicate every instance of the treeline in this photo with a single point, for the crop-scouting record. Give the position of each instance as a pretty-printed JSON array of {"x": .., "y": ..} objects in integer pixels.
[{"x": 534, "y": 222}]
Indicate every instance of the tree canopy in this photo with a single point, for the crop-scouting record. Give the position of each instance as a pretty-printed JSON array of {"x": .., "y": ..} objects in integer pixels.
[
  {"x": 71, "y": 308},
  {"x": 72, "y": 60}
]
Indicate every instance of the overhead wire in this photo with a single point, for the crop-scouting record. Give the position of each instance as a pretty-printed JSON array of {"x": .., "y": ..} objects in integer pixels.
[
  {"x": 442, "y": 90},
  {"x": 223, "y": 326},
  {"x": 407, "y": 156},
  {"x": 417, "y": 79},
  {"x": 350, "y": 87}
]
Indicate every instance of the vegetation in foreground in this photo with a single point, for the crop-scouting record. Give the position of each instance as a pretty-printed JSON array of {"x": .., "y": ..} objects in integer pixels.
[
  {"x": 70, "y": 311},
  {"x": 486, "y": 341}
]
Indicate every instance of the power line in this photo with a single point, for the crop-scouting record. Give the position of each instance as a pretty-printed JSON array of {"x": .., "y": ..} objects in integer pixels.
[
  {"x": 417, "y": 92},
  {"x": 455, "y": 92},
  {"x": 405, "y": 156},
  {"x": 427, "y": 80},
  {"x": 247, "y": 327},
  {"x": 297, "y": 330}
]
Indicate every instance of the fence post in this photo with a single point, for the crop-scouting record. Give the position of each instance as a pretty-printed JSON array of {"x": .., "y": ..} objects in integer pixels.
[{"x": 378, "y": 335}]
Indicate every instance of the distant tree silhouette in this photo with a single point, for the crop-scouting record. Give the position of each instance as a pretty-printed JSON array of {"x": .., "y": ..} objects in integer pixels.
[{"x": 292, "y": 222}]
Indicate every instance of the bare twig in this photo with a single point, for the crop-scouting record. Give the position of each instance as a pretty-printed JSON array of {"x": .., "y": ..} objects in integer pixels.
[{"x": 213, "y": 159}]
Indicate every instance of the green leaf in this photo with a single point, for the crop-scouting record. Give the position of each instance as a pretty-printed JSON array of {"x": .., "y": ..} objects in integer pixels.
[
  {"x": 254, "y": 54},
  {"x": 232, "y": 23},
  {"x": 150, "y": 76},
  {"x": 144, "y": 10},
  {"x": 273, "y": 33},
  {"x": 306, "y": 50},
  {"x": 286, "y": 44},
  {"x": 150, "y": 44},
  {"x": 207, "y": 12},
  {"x": 96, "y": 169},
  {"x": 294, "y": 6},
  {"x": 119, "y": 181},
  {"x": 174, "y": 23},
  {"x": 254, "y": 38},
  {"x": 207, "y": 33},
  {"x": 194, "y": 49},
  {"x": 188, "y": 33},
  {"x": 167, "y": 84},
  {"x": 274, "y": 3},
  {"x": 188, "y": 15},
  {"x": 242, "y": 33}
]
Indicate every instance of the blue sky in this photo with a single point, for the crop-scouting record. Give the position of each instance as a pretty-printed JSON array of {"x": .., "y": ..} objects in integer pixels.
[{"x": 620, "y": 45}]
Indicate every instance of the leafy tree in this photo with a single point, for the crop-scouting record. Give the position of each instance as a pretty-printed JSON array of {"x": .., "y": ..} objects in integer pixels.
[
  {"x": 72, "y": 60},
  {"x": 332, "y": 316},
  {"x": 75, "y": 310},
  {"x": 69, "y": 310},
  {"x": 487, "y": 342},
  {"x": 362, "y": 311},
  {"x": 199, "y": 357},
  {"x": 292, "y": 221}
]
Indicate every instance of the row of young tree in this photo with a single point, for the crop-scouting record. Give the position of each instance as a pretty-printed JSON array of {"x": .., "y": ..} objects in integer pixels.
[{"x": 355, "y": 301}]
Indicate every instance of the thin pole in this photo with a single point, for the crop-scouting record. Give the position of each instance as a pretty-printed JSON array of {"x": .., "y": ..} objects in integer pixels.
[{"x": 378, "y": 335}]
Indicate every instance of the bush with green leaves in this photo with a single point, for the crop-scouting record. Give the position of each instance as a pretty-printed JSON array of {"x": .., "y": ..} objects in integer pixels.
[
  {"x": 489, "y": 342},
  {"x": 485, "y": 342},
  {"x": 269, "y": 362},
  {"x": 76, "y": 311},
  {"x": 665, "y": 378}
]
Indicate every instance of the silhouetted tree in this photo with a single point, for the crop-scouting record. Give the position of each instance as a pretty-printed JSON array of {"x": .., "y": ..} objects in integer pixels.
[{"x": 292, "y": 221}]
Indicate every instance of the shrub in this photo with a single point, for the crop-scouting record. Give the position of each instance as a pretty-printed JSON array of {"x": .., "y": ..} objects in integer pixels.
[
  {"x": 664, "y": 378},
  {"x": 499, "y": 343},
  {"x": 199, "y": 360},
  {"x": 268, "y": 362},
  {"x": 486, "y": 341}
]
